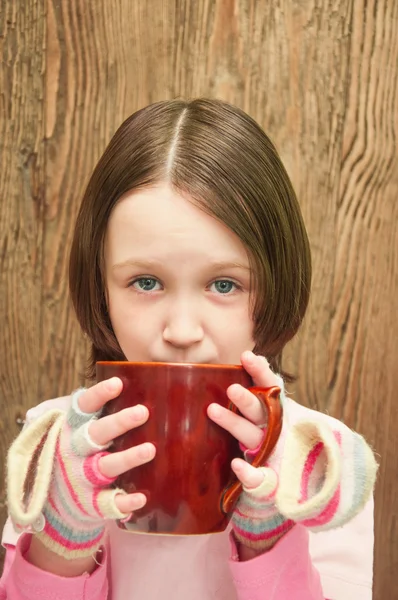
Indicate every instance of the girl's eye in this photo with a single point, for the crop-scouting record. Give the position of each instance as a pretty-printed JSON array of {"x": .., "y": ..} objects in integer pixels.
[
  {"x": 146, "y": 284},
  {"x": 223, "y": 286}
]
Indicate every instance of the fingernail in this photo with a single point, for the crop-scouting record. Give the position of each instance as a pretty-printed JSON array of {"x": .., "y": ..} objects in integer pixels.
[
  {"x": 146, "y": 451},
  {"x": 139, "y": 501},
  {"x": 215, "y": 411},
  {"x": 113, "y": 384},
  {"x": 139, "y": 412},
  {"x": 248, "y": 355}
]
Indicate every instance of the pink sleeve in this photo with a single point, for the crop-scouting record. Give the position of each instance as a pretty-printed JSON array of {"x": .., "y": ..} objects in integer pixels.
[
  {"x": 23, "y": 581},
  {"x": 284, "y": 572}
]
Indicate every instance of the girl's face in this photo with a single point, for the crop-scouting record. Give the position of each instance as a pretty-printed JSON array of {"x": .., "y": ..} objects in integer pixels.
[{"x": 178, "y": 281}]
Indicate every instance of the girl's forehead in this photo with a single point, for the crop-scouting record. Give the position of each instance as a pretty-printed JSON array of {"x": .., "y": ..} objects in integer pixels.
[{"x": 161, "y": 221}]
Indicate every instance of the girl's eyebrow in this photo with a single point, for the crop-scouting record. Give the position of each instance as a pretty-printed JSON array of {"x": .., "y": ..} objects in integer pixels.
[
  {"x": 131, "y": 262},
  {"x": 220, "y": 265},
  {"x": 216, "y": 265}
]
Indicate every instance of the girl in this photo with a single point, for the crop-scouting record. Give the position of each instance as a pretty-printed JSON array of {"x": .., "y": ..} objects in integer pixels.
[{"x": 190, "y": 247}]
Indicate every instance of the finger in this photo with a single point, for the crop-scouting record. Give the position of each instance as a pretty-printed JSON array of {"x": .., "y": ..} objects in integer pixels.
[
  {"x": 106, "y": 429},
  {"x": 259, "y": 369},
  {"x": 249, "y": 476},
  {"x": 128, "y": 503},
  {"x": 247, "y": 403},
  {"x": 240, "y": 428},
  {"x": 116, "y": 463},
  {"x": 95, "y": 397}
]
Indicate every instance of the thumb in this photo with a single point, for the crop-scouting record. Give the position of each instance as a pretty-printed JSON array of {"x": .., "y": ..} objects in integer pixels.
[
  {"x": 267, "y": 487},
  {"x": 259, "y": 369}
]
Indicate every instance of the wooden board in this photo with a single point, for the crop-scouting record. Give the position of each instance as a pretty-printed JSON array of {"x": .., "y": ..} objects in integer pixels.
[
  {"x": 322, "y": 81},
  {"x": 22, "y": 175}
]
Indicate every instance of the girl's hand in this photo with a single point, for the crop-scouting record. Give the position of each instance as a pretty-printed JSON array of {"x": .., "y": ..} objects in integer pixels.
[
  {"x": 106, "y": 429},
  {"x": 73, "y": 490},
  {"x": 246, "y": 429}
]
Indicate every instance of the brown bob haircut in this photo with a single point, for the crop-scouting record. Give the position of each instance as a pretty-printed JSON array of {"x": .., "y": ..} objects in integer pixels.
[{"x": 220, "y": 159}]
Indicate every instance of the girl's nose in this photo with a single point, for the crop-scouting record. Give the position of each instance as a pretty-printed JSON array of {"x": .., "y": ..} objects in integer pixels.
[{"x": 183, "y": 329}]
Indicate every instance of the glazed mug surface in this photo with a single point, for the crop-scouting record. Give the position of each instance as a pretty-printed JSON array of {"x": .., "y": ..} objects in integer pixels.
[{"x": 189, "y": 485}]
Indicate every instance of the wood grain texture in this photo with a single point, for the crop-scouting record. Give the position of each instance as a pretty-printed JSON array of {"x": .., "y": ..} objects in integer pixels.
[
  {"x": 320, "y": 77},
  {"x": 358, "y": 282},
  {"x": 362, "y": 324},
  {"x": 21, "y": 224},
  {"x": 363, "y": 348}
]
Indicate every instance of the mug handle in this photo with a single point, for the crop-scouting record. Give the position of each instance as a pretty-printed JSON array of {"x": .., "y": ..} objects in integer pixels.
[{"x": 269, "y": 397}]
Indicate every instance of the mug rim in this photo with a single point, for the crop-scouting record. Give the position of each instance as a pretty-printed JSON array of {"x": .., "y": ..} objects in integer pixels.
[{"x": 215, "y": 366}]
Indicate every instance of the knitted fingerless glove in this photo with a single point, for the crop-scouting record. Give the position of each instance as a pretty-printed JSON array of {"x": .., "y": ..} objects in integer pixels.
[
  {"x": 321, "y": 477},
  {"x": 70, "y": 498},
  {"x": 256, "y": 521}
]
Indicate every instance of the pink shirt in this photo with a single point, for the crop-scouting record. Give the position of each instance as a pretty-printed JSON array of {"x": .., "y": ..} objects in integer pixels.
[{"x": 336, "y": 565}]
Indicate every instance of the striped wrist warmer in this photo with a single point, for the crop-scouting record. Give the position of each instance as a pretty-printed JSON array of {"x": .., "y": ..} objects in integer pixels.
[
  {"x": 325, "y": 476},
  {"x": 256, "y": 521},
  {"x": 70, "y": 498}
]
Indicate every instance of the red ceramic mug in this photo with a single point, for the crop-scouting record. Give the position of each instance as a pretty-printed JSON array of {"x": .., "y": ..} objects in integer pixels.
[{"x": 189, "y": 485}]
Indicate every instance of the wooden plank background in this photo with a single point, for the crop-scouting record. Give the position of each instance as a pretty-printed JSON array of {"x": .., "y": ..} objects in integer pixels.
[{"x": 321, "y": 78}]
